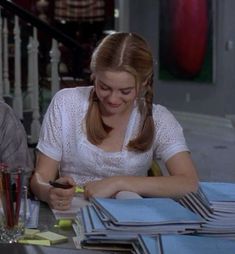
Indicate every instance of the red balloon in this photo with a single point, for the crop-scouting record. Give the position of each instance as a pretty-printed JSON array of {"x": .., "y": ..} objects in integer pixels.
[{"x": 186, "y": 37}]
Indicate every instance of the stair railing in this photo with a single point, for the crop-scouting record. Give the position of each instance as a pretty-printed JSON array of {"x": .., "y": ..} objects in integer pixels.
[{"x": 24, "y": 98}]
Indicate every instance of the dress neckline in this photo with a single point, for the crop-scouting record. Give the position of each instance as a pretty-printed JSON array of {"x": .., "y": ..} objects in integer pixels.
[{"x": 128, "y": 134}]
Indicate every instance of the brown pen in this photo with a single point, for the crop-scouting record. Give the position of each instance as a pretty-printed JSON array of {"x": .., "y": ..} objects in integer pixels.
[
  {"x": 55, "y": 184},
  {"x": 60, "y": 185}
]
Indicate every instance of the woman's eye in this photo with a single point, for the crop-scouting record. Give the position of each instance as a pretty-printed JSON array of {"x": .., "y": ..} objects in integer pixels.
[
  {"x": 125, "y": 92},
  {"x": 105, "y": 88}
]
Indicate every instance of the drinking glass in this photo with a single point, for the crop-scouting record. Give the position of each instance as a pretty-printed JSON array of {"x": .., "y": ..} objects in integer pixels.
[{"x": 13, "y": 207}]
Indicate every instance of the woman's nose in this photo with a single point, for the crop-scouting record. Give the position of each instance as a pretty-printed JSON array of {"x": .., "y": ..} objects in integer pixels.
[{"x": 113, "y": 98}]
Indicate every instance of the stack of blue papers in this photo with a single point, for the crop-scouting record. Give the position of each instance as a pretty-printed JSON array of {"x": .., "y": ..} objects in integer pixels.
[
  {"x": 146, "y": 211},
  {"x": 215, "y": 202},
  {"x": 183, "y": 244},
  {"x": 120, "y": 220}
]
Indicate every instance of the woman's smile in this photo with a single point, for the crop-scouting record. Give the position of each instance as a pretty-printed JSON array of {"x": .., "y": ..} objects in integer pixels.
[{"x": 114, "y": 105}]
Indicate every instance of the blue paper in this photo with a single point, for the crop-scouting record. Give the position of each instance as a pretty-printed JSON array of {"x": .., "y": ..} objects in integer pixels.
[
  {"x": 217, "y": 191},
  {"x": 196, "y": 245},
  {"x": 185, "y": 244},
  {"x": 147, "y": 211}
]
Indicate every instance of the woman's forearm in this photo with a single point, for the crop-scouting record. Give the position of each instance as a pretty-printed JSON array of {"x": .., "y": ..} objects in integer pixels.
[
  {"x": 161, "y": 186},
  {"x": 46, "y": 170},
  {"x": 39, "y": 187}
]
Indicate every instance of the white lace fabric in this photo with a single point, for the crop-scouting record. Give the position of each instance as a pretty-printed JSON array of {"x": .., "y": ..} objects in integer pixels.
[{"x": 63, "y": 138}]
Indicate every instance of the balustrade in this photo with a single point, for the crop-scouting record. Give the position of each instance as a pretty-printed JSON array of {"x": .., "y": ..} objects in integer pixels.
[
  {"x": 28, "y": 46},
  {"x": 11, "y": 87}
]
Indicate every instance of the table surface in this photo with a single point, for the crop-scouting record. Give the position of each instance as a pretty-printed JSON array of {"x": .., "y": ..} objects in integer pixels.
[
  {"x": 47, "y": 221},
  {"x": 35, "y": 249}
]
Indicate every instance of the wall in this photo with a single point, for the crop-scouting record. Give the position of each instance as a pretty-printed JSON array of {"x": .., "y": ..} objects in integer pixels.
[{"x": 217, "y": 99}]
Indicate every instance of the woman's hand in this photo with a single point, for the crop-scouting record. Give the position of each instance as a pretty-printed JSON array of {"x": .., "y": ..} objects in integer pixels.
[
  {"x": 104, "y": 188},
  {"x": 60, "y": 199}
]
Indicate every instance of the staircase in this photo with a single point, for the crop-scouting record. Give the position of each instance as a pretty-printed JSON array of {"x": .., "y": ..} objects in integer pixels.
[{"x": 30, "y": 75}]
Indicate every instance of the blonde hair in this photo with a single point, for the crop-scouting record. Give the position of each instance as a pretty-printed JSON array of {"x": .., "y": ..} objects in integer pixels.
[{"x": 130, "y": 53}]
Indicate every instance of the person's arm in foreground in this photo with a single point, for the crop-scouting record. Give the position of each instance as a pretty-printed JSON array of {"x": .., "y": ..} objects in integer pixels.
[
  {"x": 47, "y": 170},
  {"x": 14, "y": 149},
  {"x": 182, "y": 179}
]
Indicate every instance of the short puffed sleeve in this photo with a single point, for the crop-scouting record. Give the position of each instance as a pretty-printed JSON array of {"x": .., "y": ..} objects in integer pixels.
[{"x": 169, "y": 136}]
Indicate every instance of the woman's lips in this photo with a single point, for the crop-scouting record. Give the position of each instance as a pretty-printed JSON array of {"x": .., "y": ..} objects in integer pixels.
[{"x": 114, "y": 105}]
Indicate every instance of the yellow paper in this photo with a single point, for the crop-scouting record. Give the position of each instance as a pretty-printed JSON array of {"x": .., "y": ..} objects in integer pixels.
[
  {"x": 52, "y": 237},
  {"x": 35, "y": 242},
  {"x": 30, "y": 233},
  {"x": 64, "y": 223},
  {"x": 79, "y": 189}
]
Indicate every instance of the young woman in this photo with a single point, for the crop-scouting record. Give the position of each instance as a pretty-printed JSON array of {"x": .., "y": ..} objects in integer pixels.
[{"x": 105, "y": 137}]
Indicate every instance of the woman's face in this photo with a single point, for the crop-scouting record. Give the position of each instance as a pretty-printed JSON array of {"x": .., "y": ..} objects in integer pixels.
[{"x": 116, "y": 91}]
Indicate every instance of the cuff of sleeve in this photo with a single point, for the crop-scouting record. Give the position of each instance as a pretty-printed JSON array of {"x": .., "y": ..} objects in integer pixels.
[{"x": 166, "y": 155}]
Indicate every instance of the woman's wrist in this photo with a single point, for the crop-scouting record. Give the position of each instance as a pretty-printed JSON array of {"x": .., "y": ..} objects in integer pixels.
[
  {"x": 122, "y": 183},
  {"x": 42, "y": 190}
]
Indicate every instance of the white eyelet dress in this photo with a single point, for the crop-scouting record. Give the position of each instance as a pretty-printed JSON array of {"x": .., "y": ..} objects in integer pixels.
[{"x": 63, "y": 138}]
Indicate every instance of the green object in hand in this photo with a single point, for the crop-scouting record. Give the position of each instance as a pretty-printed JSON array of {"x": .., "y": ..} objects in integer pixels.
[{"x": 79, "y": 189}]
